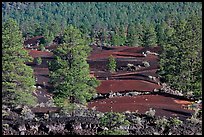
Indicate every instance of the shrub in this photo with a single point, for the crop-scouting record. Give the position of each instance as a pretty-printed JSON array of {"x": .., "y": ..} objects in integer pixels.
[
  {"x": 42, "y": 47},
  {"x": 4, "y": 113},
  {"x": 27, "y": 113},
  {"x": 113, "y": 119},
  {"x": 195, "y": 117},
  {"x": 137, "y": 121},
  {"x": 162, "y": 122},
  {"x": 176, "y": 121},
  {"x": 194, "y": 120},
  {"x": 151, "y": 112},
  {"x": 38, "y": 60},
  {"x": 113, "y": 132}
]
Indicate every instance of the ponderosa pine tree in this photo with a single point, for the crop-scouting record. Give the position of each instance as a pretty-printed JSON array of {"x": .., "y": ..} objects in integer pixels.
[
  {"x": 17, "y": 78},
  {"x": 160, "y": 31},
  {"x": 150, "y": 37},
  {"x": 134, "y": 36},
  {"x": 70, "y": 73},
  {"x": 181, "y": 59},
  {"x": 119, "y": 37}
]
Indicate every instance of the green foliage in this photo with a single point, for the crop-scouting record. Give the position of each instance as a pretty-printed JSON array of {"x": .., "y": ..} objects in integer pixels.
[
  {"x": 113, "y": 120},
  {"x": 111, "y": 64},
  {"x": 69, "y": 72},
  {"x": 180, "y": 61},
  {"x": 38, "y": 60},
  {"x": 162, "y": 122},
  {"x": 150, "y": 37},
  {"x": 135, "y": 35},
  {"x": 118, "y": 37},
  {"x": 116, "y": 40},
  {"x": 163, "y": 32},
  {"x": 93, "y": 14},
  {"x": 176, "y": 121},
  {"x": 39, "y": 31},
  {"x": 42, "y": 47},
  {"x": 196, "y": 117},
  {"x": 17, "y": 78},
  {"x": 98, "y": 19},
  {"x": 113, "y": 132}
]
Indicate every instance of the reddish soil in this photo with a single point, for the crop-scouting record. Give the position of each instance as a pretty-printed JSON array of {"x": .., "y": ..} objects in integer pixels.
[
  {"x": 126, "y": 85},
  {"x": 36, "y": 53},
  {"x": 32, "y": 40},
  {"x": 41, "y": 71},
  {"x": 140, "y": 49},
  {"x": 51, "y": 47},
  {"x": 151, "y": 72},
  {"x": 106, "y": 54},
  {"x": 120, "y": 81},
  {"x": 164, "y": 106}
]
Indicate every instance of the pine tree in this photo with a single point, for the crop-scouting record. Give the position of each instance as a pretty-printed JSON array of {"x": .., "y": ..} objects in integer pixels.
[
  {"x": 180, "y": 63},
  {"x": 17, "y": 78},
  {"x": 111, "y": 64},
  {"x": 119, "y": 37},
  {"x": 160, "y": 29},
  {"x": 134, "y": 36},
  {"x": 150, "y": 37},
  {"x": 70, "y": 74},
  {"x": 115, "y": 40}
]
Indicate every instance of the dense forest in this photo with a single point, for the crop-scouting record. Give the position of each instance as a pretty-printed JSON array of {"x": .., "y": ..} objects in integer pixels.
[{"x": 113, "y": 23}]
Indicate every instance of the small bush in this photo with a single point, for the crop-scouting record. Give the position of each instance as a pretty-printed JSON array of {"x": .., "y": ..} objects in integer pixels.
[
  {"x": 194, "y": 120},
  {"x": 162, "y": 122},
  {"x": 137, "y": 120},
  {"x": 4, "y": 113},
  {"x": 150, "y": 113},
  {"x": 38, "y": 60},
  {"x": 113, "y": 119},
  {"x": 195, "y": 117},
  {"x": 27, "y": 113},
  {"x": 176, "y": 121},
  {"x": 42, "y": 47},
  {"x": 113, "y": 132}
]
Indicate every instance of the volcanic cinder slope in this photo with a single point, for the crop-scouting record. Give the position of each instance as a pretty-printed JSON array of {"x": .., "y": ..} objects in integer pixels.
[
  {"x": 143, "y": 79},
  {"x": 41, "y": 73},
  {"x": 121, "y": 81}
]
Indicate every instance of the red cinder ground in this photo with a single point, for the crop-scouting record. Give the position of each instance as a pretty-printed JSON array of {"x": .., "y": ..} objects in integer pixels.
[
  {"x": 126, "y": 85},
  {"x": 36, "y": 53},
  {"x": 164, "y": 106},
  {"x": 120, "y": 81}
]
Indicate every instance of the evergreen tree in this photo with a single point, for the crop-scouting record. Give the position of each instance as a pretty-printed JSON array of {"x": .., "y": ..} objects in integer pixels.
[
  {"x": 111, "y": 64},
  {"x": 150, "y": 37},
  {"x": 110, "y": 14},
  {"x": 134, "y": 36},
  {"x": 49, "y": 37},
  {"x": 70, "y": 71},
  {"x": 17, "y": 78},
  {"x": 115, "y": 40},
  {"x": 180, "y": 63},
  {"x": 160, "y": 29}
]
